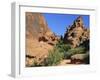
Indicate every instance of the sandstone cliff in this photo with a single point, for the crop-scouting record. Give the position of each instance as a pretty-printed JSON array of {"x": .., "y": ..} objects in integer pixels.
[
  {"x": 39, "y": 38},
  {"x": 77, "y": 33}
]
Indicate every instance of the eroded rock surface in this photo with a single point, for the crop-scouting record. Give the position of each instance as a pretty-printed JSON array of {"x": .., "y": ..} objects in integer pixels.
[
  {"x": 77, "y": 33},
  {"x": 39, "y": 38}
]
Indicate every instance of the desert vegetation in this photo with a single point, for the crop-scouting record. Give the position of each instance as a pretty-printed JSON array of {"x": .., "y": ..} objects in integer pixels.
[
  {"x": 63, "y": 51},
  {"x": 45, "y": 48}
]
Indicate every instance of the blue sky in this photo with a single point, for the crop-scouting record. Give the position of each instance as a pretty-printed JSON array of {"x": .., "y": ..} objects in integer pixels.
[{"x": 58, "y": 22}]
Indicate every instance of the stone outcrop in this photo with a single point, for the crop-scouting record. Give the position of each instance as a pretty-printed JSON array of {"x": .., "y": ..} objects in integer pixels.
[
  {"x": 76, "y": 33},
  {"x": 39, "y": 38},
  {"x": 35, "y": 25}
]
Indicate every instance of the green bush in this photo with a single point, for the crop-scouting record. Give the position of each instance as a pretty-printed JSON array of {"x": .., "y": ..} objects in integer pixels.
[
  {"x": 72, "y": 51},
  {"x": 62, "y": 47},
  {"x": 53, "y": 58}
]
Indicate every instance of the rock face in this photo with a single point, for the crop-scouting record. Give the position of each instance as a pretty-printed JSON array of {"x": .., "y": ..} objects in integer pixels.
[
  {"x": 77, "y": 34},
  {"x": 39, "y": 38},
  {"x": 35, "y": 25}
]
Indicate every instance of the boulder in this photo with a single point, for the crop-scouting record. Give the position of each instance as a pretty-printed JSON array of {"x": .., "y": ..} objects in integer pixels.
[{"x": 78, "y": 58}]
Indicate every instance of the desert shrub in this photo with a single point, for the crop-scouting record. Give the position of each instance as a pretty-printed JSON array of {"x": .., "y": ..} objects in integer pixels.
[
  {"x": 62, "y": 47},
  {"x": 72, "y": 51},
  {"x": 57, "y": 54},
  {"x": 60, "y": 42},
  {"x": 53, "y": 58}
]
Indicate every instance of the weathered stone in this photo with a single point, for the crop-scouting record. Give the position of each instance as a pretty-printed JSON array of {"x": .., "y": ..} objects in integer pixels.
[
  {"x": 78, "y": 58},
  {"x": 39, "y": 38},
  {"x": 76, "y": 34}
]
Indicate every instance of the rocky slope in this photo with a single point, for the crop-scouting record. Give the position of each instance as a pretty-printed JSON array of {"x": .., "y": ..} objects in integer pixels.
[
  {"x": 77, "y": 34},
  {"x": 39, "y": 38}
]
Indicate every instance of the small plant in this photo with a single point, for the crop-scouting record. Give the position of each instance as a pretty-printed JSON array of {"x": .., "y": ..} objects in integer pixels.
[
  {"x": 62, "y": 47},
  {"x": 54, "y": 58}
]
